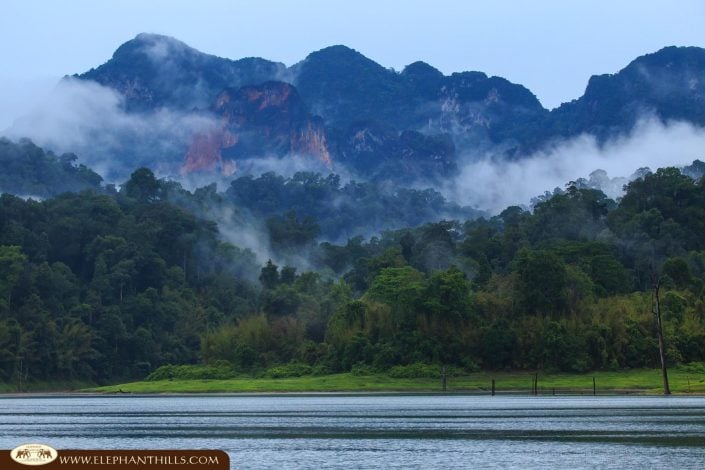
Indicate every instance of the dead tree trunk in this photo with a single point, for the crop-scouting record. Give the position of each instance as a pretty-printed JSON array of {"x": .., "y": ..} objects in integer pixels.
[{"x": 656, "y": 309}]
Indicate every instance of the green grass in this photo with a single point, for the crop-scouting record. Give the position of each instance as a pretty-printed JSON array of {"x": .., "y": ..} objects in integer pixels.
[{"x": 636, "y": 381}]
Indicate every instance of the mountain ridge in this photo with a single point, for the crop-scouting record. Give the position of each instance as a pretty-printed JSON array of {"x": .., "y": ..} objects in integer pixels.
[{"x": 341, "y": 88}]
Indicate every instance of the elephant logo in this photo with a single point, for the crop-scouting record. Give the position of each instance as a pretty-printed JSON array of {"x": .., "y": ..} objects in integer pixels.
[
  {"x": 23, "y": 454},
  {"x": 33, "y": 454}
]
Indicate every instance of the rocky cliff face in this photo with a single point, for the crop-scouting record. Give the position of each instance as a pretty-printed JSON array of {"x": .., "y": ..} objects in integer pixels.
[
  {"x": 381, "y": 150},
  {"x": 205, "y": 153},
  {"x": 258, "y": 121}
]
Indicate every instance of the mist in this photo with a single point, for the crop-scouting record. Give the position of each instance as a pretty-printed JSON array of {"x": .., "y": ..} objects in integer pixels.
[
  {"x": 492, "y": 184},
  {"x": 238, "y": 227},
  {"x": 19, "y": 95},
  {"x": 88, "y": 119},
  {"x": 242, "y": 230}
]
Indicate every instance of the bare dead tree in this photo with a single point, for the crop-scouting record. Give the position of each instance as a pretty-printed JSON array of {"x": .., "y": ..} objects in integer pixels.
[{"x": 656, "y": 310}]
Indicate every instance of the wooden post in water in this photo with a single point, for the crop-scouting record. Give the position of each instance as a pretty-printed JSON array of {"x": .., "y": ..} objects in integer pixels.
[
  {"x": 594, "y": 389},
  {"x": 444, "y": 379},
  {"x": 492, "y": 387}
]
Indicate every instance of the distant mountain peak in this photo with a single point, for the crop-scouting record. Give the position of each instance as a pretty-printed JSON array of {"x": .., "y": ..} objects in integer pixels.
[
  {"x": 667, "y": 56},
  {"x": 153, "y": 70},
  {"x": 152, "y": 37},
  {"x": 154, "y": 46},
  {"x": 420, "y": 68},
  {"x": 342, "y": 58},
  {"x": 337, "y": 50}
]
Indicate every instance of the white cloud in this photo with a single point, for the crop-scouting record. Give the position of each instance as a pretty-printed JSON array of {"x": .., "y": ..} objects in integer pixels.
[
  {"x": 492, "y": 184},
  {"x": 88, "y": 119}
]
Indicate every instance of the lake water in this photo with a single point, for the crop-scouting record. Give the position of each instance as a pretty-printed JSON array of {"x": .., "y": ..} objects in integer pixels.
[{"x": 402, "y": 431}]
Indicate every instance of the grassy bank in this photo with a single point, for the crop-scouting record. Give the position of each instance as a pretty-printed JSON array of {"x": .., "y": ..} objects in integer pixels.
[{"x": 682, "y": 380}]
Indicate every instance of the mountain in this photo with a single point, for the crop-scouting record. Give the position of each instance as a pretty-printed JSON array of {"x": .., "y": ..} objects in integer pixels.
[
  {"x": 342, "y": 109},
  {"x": 668, "y": 85},
  {"x": 381, "y": 152},
  {"x": 159, "y": 71},
  {"x": 343, "y": 86},
  {"x": 345, "y": 109}
]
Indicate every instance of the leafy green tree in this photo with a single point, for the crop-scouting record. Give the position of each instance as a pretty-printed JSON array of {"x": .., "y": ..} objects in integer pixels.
[
  {"x": 678, "y": 272},
  {"x": 498, "y": 346},
  {"x": 269, "y": 276},
  {"x": 143, "y": 186},
  {"x": 12, "y": 263},
  {"x": 29, "y": 170},
  {"x": 10, "y": 347},
  {"x": 280, "y": 301},
  {"x": 75, "y": 350},
  {"x": 608, "y": 274},
  {"x": 397, "y": 286},
  {"x": 288, "y": 275},
  {"x": 447, "y": 295},
  {"x": 289, "y": 232},
  {"x": 541, "y": 282}
]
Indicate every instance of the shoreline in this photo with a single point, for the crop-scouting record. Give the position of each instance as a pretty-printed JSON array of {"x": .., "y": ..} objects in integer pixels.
[
  {"x": 349, "y": 393},
  {"x": 683, "y": 381}
]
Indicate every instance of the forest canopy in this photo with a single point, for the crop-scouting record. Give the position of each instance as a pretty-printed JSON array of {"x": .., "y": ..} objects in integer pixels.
[{"x": 107, "y": 285}]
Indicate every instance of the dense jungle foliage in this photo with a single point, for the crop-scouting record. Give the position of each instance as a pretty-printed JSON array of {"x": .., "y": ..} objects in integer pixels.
[{"x": 107, "y": 285}]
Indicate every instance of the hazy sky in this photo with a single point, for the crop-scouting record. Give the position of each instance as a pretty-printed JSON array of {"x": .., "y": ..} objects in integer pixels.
[{"x": 550, "y": 46}]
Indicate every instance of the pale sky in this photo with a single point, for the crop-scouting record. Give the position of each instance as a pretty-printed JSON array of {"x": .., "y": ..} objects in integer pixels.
[{"x": 550, "y": 46}]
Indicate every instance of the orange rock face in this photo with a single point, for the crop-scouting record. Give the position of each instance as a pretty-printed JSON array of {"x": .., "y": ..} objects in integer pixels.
[
  {"x": 311, "y": 140},
  {"x": 264, "y": 120},
  {"x": 204, "y": 153}
]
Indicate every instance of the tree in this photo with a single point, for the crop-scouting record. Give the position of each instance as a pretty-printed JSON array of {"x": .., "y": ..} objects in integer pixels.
[
  {"x": 12, "y": 263},
  {"x": 397, "y": 286},
  {"x": 678, "y": 271},
  {"x": 288, "y": 275},
  {"x": 656, "y": 310},
  {"x": 143, "y": 186},
  {"x": 447, "y": 295},
  {"x": 541, "y": 283},
  {"x": 281, "y": 301},
  {"x": 269, "y": 276},
  {"x": 498, "y": 345},
  {"x": 290, "y": 232},
  {"x": 401, "y": 289}
]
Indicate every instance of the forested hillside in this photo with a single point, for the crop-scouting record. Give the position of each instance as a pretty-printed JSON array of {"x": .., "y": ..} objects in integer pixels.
[
  {"x": 30, "y": 171},
  {"x": 109, "y": 285},
  {"x": 340, "y": 210}
]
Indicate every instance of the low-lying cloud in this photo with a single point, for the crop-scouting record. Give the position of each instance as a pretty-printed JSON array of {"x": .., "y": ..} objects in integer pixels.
[
  {"x": 89, "y": 119},
  {"x": 491, "y": 184}
]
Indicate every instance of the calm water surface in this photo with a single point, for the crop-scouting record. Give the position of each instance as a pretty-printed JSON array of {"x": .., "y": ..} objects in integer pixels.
[{"x": 335, "y": 431}]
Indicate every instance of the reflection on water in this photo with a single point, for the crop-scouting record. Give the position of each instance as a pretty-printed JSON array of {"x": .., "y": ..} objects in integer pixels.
[{"x": 324, "y": 431}]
